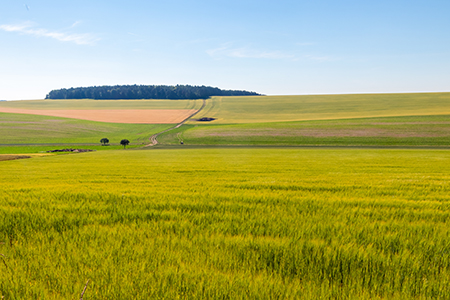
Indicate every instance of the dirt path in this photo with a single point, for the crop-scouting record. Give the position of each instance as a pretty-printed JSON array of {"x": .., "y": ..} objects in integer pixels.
[{"x": 153, "y": 138}]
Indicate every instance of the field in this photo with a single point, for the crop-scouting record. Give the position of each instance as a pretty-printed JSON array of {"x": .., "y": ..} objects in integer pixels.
[
  {"x": 101, "y": 104},
  {"x": 131, "y": 116},
  {"x": 332, "y": 120},
  {"x": 112, "y": 111},
  {"x": 40, "y": 131},
  {"x": 337, "y": 120},
  {"x": 386, "y": 131},
  {"x": 227, "y": 223},
  {"x": 290, "y": 197},
  {"x": 21, "y": 133},
  {"x": 263, "y": 109}
]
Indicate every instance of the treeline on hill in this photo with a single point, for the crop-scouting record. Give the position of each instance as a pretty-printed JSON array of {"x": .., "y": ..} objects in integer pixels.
[{"x": 144, "y": 92}]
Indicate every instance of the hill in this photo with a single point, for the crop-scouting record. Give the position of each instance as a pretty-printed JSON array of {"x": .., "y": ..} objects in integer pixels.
[
  {"x": 412, "y": 120},
  {"x": 144, "y": 92},
  {"x": 239, "y": 110},
  {"x": 25, "y": 127},
  {"x": 366, "y": 119}
]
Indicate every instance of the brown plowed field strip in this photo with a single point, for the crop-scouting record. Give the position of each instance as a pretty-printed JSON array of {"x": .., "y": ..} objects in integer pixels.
[{"x": 135, "y": 116}]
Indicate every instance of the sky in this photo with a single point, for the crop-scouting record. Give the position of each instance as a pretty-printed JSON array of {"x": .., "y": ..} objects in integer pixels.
[{"x": 279, "y": 47}]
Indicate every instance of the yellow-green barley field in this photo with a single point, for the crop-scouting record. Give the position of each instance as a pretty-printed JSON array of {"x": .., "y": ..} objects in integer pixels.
[{"x": 227, "y": 223}]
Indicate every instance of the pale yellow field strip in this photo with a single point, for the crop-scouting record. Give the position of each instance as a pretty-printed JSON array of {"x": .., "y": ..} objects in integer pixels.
[{"x": 134, "y": 116}]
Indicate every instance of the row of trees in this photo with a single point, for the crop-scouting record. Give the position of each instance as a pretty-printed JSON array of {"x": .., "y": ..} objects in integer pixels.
[
  {"x": 144, "y": 92},
  {"x": 105, "y": 142}
]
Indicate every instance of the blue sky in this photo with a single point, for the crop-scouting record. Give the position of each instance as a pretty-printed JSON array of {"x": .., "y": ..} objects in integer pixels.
[{"x": 271, "y": 47}]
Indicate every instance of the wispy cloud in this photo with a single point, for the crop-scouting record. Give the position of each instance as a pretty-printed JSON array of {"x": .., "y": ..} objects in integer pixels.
[
  {"x": 76, "y": 23},
  {"x": 29, "y": 29},
  {"x": 228, "y": 50},
  {"x": 319, "y": 58}
]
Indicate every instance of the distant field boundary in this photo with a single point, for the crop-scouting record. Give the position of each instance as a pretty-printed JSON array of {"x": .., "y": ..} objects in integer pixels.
[
  {"x": 130, "y": 116},
  {"x": 316, "y": 147}
]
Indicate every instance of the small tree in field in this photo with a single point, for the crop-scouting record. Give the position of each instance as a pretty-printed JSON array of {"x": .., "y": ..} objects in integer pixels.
[
  {"x": 104, "y": 141},
  {"x": 124, "y": 143}
]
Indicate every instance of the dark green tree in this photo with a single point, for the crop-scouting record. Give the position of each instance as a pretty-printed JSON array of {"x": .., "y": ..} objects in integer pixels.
[
  {"x": 124, "y": 143},
  {"x": 144, "y": 92},
  {"x": 104, "y": 141}
]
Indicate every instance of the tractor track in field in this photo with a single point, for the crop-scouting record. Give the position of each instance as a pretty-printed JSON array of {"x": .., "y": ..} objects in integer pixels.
[{"x": 153, "y": 138}]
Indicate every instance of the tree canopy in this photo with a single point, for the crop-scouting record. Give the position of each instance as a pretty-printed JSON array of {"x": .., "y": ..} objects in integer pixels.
[
  {"x": 104, "y": 141},
  {"x": 124, "y": 143},
  {"x": 144, "y": 92}
]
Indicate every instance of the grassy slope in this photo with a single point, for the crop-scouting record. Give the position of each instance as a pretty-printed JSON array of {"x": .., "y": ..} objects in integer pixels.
[
  {"x": 261, "y": 109},
  {"x": 21, "y": 129},
  {"x": 411, "y": 130},
  {"x": 251, "y": 121},
  {"x": 387, "y": 119},
  {"x": 227, "y": 224},
  {"x": 34, "y": 129},
  {"x": 103, "y": 104}
]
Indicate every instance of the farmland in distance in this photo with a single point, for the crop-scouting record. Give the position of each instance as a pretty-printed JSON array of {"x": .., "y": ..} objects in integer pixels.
[
  {"x": 263, "y": 109},
  {"x": 334, "y": 120},
  {"x": 30, "y": 131},
  {"x": 330, "y": 120}
]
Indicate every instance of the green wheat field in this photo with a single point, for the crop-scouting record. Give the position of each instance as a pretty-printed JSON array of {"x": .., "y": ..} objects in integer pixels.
[{"x": 242, "y": 210}]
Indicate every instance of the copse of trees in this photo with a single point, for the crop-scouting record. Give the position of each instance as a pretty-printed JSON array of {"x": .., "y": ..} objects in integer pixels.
[{"x": 144, "y": 92}]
